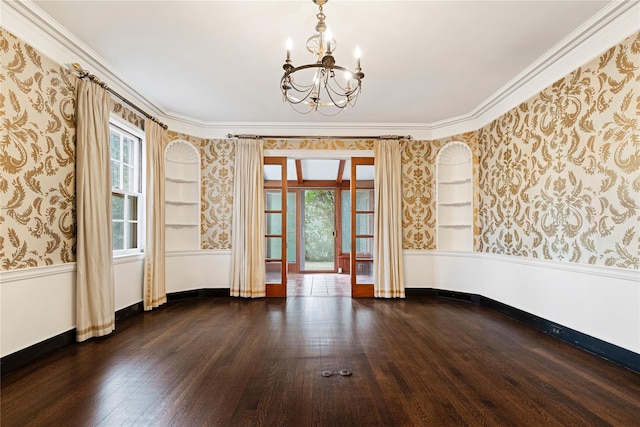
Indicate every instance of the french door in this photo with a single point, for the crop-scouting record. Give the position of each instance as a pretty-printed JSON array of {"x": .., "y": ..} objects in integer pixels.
[
  {"x": 355, "y": 230},
  {"x": 275, "y": 211},
  {"x": 362, "y": 226}
]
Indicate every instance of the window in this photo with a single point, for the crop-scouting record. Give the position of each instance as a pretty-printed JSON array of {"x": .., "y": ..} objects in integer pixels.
[{"x": 127, "y": 200}]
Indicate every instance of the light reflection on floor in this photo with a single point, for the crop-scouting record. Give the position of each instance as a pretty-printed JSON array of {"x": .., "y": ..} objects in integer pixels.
[{"x": 318, "y": 285}]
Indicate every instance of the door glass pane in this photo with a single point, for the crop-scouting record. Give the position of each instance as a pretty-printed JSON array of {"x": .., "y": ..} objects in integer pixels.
[
  {"x": 273, "y": 200},
  {"x": 273, "y": 223},
  {"x": 273, "y": 248},
  {"x": 364, "y": 176},
  {"x": 364, "y": 247},
  {"x": 318, "y": 230},
  {"x": 273, "y": 272},
  {"x": 291, "y": 227},
  {"x": 364, "y": 200},
  {"x": 345, "y": 204},
  {"x": 364, "y": 223},
  {"x": 364, "y": 272}
]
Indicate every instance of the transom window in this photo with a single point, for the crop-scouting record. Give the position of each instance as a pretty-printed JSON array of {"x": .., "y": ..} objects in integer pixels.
[{"x": 126, "y": 189}]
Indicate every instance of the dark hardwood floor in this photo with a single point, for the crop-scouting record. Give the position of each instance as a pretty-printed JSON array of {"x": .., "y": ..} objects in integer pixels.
[{"x": 229, "y": 362}]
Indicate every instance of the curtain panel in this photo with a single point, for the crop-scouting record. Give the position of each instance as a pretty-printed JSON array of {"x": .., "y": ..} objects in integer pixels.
[
  {"x": 95, "y": 295},
  {"x": 247, "y": 234},
  {"x": 155, "y": 293},
  {"x": 388, "y": 275}
]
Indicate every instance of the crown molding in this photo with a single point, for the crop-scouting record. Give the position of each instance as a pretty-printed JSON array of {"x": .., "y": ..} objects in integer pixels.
[
  {"x": 612, "y": 24},
  {"x": 615, "y": 22},
  {"x": 30, "y": 23}
]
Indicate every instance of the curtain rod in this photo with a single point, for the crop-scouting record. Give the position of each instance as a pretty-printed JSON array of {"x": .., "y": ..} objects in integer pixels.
[
  {"x": 84, "y": 74},
  {"x": 377, "y": 137}
]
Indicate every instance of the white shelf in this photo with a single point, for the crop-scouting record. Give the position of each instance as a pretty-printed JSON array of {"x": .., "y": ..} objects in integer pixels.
[
  {"x": 182, "y": 201},
  {"x": 454, "y": 204},
  {"x": 459, "y": 181},
  {"x": 182, "y": 181}
]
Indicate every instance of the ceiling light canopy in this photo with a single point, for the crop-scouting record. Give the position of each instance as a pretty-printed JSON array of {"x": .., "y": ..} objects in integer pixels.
[{"x": 321, "y": 86}]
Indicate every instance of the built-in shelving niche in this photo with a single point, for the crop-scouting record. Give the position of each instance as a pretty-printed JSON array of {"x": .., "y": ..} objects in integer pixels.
[
  {"x": 454, "y": 198},
  {"x": 182, "y": 196}
]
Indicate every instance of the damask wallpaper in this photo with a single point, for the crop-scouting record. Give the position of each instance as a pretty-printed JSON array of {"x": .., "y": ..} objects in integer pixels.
[
  {"x": 37, "y": 159},
  {"x": 317, "y": 144},
  {"x": 216, "y": 193},
  {"x": 560, "y": 174},
  {"x": 419, "y": 189},
  {"x": 556, "y": 178}
]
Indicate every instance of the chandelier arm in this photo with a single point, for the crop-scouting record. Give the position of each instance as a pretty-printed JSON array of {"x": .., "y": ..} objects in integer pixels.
[
  {"x": 344, "y": 92},
  {"x": 340, "y": 104},
  {"x": 294, "y": 100}
]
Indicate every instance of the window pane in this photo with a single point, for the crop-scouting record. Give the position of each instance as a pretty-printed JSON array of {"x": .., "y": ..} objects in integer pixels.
[
  {"x": 132, "y": 238},
  {"x": 127, "y": 146},
  {"x": 291, "y": 227},
  {"x": 117, "y": 206},
  {"x": 115, "y": 174},
  {"x": 273, "y": 223},
  {"x": 346, "y": 221},
  {"x": 273, "y": 200},
  {"x": 132, "y": 208},
  {"x": 114, "y": 138},
  {"x": 118, "y": 235},
  {"x": 126, "y": 178}
]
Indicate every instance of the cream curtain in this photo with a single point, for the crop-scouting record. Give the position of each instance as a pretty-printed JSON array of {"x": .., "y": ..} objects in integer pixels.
[
  {"x": 95, "y": 305},
  {"x": 387, "y": 241},
  {"x": 155, "y": 293},
  {"x": 247, "y": 235}
]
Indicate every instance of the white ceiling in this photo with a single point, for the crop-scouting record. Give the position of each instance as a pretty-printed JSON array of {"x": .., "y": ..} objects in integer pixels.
[{"x": 221, "y": 61}]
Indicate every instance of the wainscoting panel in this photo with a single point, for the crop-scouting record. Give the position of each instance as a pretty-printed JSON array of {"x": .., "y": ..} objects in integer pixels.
[
  {"x": 39, "y": 303},
  {"x": 36, "y": 306},
  {"x": 598, "y": 301},
  {"x": 188, "y": 270}
]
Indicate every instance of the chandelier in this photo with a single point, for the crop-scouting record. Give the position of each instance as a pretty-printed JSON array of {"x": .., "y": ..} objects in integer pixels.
[{"x": 321, "y": 86}]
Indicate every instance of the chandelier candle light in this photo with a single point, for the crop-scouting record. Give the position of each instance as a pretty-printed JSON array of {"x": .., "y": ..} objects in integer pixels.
[{"x": 316, "y": 86}]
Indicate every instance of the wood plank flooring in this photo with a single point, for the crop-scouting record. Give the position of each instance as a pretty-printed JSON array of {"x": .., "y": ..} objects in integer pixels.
[{"x": 230, "y": 362}]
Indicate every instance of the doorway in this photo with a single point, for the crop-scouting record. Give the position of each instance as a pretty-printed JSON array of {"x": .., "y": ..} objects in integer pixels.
[
  {"x": 321, "y": 238},
  {"x": 317, "y": 244}
]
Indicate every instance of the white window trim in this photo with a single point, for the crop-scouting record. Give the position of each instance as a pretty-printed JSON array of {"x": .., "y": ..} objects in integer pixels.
[{"x": 138, "y": 133}]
